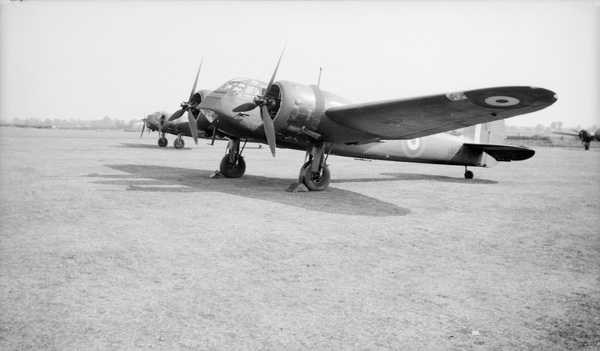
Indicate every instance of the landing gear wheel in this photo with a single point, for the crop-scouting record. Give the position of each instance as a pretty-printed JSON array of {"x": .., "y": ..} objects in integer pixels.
[
  {"x": 162, "y": 142},
  {"x": 179, "y": 143},
  {"x": 468, "y": 174},
  {"x": 232, "y": 169},
  {"x": 315, "y": 181}
]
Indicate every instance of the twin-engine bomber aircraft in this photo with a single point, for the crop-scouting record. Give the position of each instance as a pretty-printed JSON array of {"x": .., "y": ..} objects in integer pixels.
[
  {"x": 583, "y": 135},
  {"x": 304, "y": 117},
  {"x": 158, "y": 122}
]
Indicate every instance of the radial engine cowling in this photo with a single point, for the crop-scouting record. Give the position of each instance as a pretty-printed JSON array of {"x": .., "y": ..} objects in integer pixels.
[{"x": 300, "y": 114}]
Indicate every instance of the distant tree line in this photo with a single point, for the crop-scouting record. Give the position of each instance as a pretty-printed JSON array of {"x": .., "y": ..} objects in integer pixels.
[
  {"x": 61, "y": 123},
  {"x": 135, "y": 124}
]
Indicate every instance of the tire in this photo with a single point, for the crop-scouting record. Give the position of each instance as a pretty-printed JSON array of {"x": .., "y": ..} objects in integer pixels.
[
  {"x": 178, "y": 143},
  {"x": 468, "y": 175},
  {"x": 315, "y": 181},
  {"x": 230, "y": 170},
  {"x": 162, "y": 142}
]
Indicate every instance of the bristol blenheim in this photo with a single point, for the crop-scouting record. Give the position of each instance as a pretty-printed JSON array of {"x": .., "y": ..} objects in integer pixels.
[
  {"x": 583, "y": 135},
  {"x": 159, "y": 122},
  {"x": 297, "y": 116}
]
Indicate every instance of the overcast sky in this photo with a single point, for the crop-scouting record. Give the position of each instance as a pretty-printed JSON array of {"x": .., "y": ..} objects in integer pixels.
[{"x": 126, "y": 59}]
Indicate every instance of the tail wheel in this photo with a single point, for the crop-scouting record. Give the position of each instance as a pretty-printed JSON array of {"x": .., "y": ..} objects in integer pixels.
[
  {"x": 468, "y": 175},
  {"x": 232, "y": 169},
  {"x": 315, "y": 181}
]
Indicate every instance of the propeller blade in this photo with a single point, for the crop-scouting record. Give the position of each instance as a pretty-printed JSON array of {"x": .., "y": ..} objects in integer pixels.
[
  {"x": 196, "y": 80},
  {"x": 269, "y": 128},
  {"x": 249, "y": 106},
  {"x": 143, "y": 127},
  {"x": 177, "y": 114},
  {"x": 193, "y": 126},
  {"x": 274, "y": 72}
]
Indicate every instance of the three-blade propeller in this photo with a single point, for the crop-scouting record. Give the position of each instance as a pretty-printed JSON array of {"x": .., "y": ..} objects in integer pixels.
[
  {"x": 186, "y": 106},
  {"x": 264, "y": 101}
]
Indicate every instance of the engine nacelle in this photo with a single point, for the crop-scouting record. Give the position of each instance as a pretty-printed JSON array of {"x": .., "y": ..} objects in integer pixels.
[{"x": 300, "y": 114}]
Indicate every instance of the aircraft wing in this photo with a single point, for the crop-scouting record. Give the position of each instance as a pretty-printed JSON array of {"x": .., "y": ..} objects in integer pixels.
[
  {"x": 566, "y": 133},
  {"x": 422, "y": 116}
]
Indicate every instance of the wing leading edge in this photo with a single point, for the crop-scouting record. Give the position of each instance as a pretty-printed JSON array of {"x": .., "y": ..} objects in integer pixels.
[{"x": 422, "y": 116}]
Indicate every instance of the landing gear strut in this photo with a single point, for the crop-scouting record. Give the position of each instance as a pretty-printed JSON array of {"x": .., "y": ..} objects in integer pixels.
[
  {"x": 314, "y": 174},
  {"x": 233, "y": 164},
  {"x": 162, "y": 141},
  {"x": 468, "y": 174},
  {"x": 179, "y": 143}
]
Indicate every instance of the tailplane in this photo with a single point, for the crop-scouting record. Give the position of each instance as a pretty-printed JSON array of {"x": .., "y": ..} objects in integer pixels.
[
  {"x": 487, "y": 134},
  {"x": 503, "y": 153}
]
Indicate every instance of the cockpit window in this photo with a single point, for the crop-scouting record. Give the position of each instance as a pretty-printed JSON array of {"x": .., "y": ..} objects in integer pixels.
[
  {"x": 242, "y": 87},
  {"x": 224, "y": 88},
  {"x": 252, "y": 91},
  {"x": 237, "y": 88}
]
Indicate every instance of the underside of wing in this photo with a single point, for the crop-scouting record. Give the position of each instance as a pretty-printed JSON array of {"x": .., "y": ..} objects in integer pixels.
[
  {"x": 422, "y": 116},
  {"x": 504, "y": 153}
]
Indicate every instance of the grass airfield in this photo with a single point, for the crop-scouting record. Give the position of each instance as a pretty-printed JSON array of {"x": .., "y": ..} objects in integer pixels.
[{"x": 109, "y": 242}]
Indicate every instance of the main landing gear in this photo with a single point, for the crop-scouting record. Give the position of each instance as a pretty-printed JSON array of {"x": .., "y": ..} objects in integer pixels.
[
  {"x": 179, "y": 143},
  {"x": 468, "y": 174},
  {"x": 162, "y": 141},
  {"x": 314, "y": 173},
  {"x": 233, "y": 164}
]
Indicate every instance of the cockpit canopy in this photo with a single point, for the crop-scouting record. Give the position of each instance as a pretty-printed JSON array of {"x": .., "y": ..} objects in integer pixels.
[{"x": 242, "y": 86}]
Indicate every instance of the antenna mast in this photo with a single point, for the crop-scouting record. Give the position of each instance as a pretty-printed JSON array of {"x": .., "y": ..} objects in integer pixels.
[{"x": 319, "y": 81}]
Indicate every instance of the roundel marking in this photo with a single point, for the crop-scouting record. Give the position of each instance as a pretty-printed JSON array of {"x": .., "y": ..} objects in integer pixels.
[
  {"x": 412, "y": 147},
  {"x": 413, "y": 144},
  {"x": 501, "y": 101}
]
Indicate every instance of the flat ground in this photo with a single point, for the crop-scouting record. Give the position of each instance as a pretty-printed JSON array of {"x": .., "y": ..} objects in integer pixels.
[{"x": 108, "y": 242}]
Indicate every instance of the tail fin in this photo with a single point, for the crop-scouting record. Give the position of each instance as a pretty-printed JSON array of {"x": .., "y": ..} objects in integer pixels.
[{"x": 486, "y": 133}]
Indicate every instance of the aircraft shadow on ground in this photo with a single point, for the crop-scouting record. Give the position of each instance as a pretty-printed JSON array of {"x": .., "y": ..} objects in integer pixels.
[
  {"x": 148, "y": 146},
  {"x": 173, "y": 179},
  {"x": 416, "y": 176}
]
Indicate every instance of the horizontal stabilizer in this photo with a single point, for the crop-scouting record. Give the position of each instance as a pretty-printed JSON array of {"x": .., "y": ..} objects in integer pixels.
[{"x": 503, "y": 152}]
